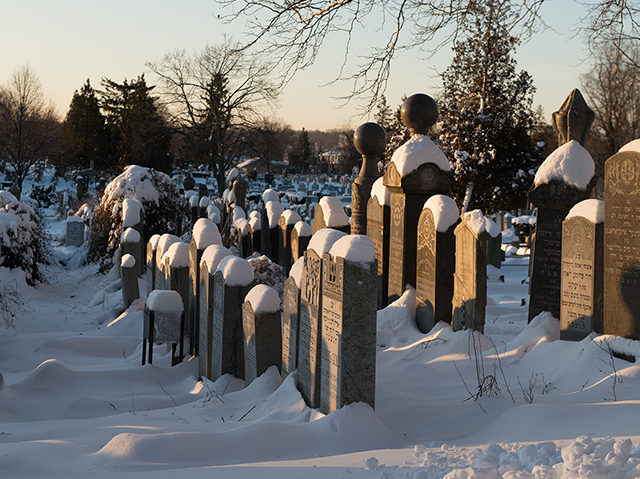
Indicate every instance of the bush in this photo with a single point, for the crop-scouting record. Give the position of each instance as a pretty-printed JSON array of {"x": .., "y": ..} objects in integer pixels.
[
  {"x": 163, "y": 210},
  {"x": 22, "y": 238},
  {"x": 44, "y": 196}
]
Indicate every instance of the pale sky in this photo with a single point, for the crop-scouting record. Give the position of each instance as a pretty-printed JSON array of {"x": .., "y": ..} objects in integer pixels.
[{"x": 67, "y": 41}]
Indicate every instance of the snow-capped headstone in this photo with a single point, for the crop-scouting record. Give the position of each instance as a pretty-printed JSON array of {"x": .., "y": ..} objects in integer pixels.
[
  {"x": 163, "y": 322},
  {"x": 311, "y": 315},
  {"x": 176, "y": 266},
  {"x": 581, "y": 300},
  {"x": 291, "y": 319},
  {"x": 152, "y": 269},
  {"x": 564, "y": 179},
  {"x": 494, "y": 243},
  {"x": 287, "y": 221},
  {"x": 271, "y": 212},
  {"x": 435, "y": 261},
  {"x": 621, "y": 246},
  {"x": 165, "y": 241},
  {"x": 378, "y": 228},
  {"x": 348, "y": 351},
  {"x": 370, "y": 140},
  {"x": 330, "y": 214},
  {"x": 470, "y": 277},
  {"x": 254, "y": 228},
  {"x": 300, "y": 237},
  {"x": 129, "y": 275},
  {"x": 131, "y": 243},
  {"x": 133, "y": 217},
  {"x": 233, "y": 280},
  {"x": 75, "y": 231},
  {"x": 417, "y": 171},
  {"x": 262, "y": 332},
  {"x": 203, "y": 205}
]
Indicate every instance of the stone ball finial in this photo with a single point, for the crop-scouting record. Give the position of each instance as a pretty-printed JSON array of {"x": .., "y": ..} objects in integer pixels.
[
  {"x": 370, "y": 139},
  {"x": 419, "y": 113}
]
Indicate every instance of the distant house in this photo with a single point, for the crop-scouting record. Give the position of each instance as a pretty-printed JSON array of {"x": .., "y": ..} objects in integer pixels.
[
  {"x": 261, "y": 165},
  {"x": 333, "y": 158}
]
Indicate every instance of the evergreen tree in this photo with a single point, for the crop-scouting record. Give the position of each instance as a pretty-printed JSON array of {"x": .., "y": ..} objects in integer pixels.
[
  {"x": 84, "y": 133},
  {"x": 140, "y": 130},
  {"x": 384, "y": 115},
  {"x": 300, "y": 158},
  {"x": 487, "y": 117}
]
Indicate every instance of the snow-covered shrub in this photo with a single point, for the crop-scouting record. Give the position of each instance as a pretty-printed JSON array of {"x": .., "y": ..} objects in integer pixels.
[
  {"x": 160, "y": 199},
  {"x": 45, "y": 196},
  {"x": 22, "y": 238},
  {"x": 10, "y": 302}
]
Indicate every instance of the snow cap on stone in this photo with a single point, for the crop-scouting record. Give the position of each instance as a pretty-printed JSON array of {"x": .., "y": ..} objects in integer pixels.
[
  {"x": 131, "y": 212},
  {"x": 290, "y": 217},
  {"x": 204, "y": 202},
  {"x": 75, "y": 219},
  {"x": 165, "y": 300},
  {"x": 591, "y": 209},
  {"x": 241, "y": 225},
  {"x": 633, "y": 145},
  {"x": 238, "y": 214},
  {"x": 232, "y": 175},
  {"x": 418, "y": 150},
  {"x": 255, "y": 222},
  {"x": 131, "y": 235},
  {"x": 302, "y": 228},
  {"x": 355, "y": 249},
  {"x": 333, "y": 212},
  {"x": 165, "y": 241},
  {"x": 212, "y": 257},
  {"x": 270, "y": 195},
  {"x": 381, "y": 192},
  {"x": 274, "y": 210},
  {"x": 323, "y": 240},
  {"x": 236, "y": 271},
  {"x": 205, "y": 233},
  {"x": 569, "y": 163},
  {"x": 178, "y": 255},
  {"x": 263, "y": 299},
  {"x": 154, "y": 240},
  {"x": 128, "y": 261},
  {"x": 296, "y": 271},
  {"x": 475, "y": 221},
  {"x": 213, "y": 213},
  {"x": 445, "y": 211},
  {"x": 193, "y": 201}
]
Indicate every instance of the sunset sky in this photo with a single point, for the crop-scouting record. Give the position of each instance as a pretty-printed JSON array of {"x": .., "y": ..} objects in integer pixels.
[{"x": 67, "y": 41}]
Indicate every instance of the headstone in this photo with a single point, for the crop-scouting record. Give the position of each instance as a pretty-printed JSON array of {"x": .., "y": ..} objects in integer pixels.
[
  {"x": 581, "y": 306},
  {"x": 310, "y": 330},
  {"x": 133, "y": 217},
  {"x": 270, "y": 216},
  {"x": 470, "y": 277},
  {"x": 75, "y": 231},
  {"x": 176, "y": 266},
  {"x": 436, "y": 261},
  {"x": 128, "y": 273},
  {"x": 262, "y": 332},
  {"x": 370, "y": 140},
  {"x": 348, "y": 352},
  {"x": 287, "y": 221},
  {"x": 378, "y": 228},
  {"x": 300, "y": 237},
  {"x": 494, "y": 244},
  {"x": 195, "y": 209},
  {"x": 233, "y": 279},
  {"x": 203, "y": 205},
  {"x": 163, "y": 322},
  {"x": 255, "y": 234},
  {"x": 151, "y": 263},
  {"x": 622, "y": 245},
  {"x": 164, "y": 242},
  {"x": 240, "y": 192},
  {"x": 330, "y": 214},
  {"x": 417, "y": 171},
  {"x": 131, "y": 243},
  {"x": 291, "y": 319},
  {"x": 268, "y": 196}
]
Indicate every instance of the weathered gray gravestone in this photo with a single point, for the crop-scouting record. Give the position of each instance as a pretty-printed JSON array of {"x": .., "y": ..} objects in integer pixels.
[
  {"x": 75, "y": 231},
  {"x": 163, "y": 323},
  {"x": 378, "y": 227},
  {"x": 205, "y": 233},
  {"x": 470, "y": 277},
  {"x": 128, "y": 273},
  {"x": 310, "y": 318},
  {"x": 348, "y": 354},
  {"x": 370, "y": 140},
  {"x": 164, "y": 242},
  {"x": 622, "y": 245},
  {"x": 291, "y": 318},
  {"x": 233, "y": 279},
  {"x": 176, "y": 266},
  {"x": 211, "y": 258},
  {"x": 131, "y": 243},
  {"x": 300, "y": 237},
  {"x": 152, "y": 269},
  {"x": 262, "y": 331},
  {"x": 436, "y": 259},
  {"x": 417, "y": 171},
  {"x": 330, "y": 214},
  {"x": 581, "y": 305},
  {"x": 287, "y": 221}
]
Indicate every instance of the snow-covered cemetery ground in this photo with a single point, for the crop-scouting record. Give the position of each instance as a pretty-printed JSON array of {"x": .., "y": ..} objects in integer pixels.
[{"x": 514, "y": 402}]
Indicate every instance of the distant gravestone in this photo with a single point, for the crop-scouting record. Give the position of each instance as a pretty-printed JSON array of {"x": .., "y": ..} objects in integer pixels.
[
  {"x": 417, "y": 171},
  {"x": 310, "y": 319},
  {"x": 287, "y": 221},
  {"x": 470, "y": 277},
  {"x": 436, "y": 261},
  {"x": 378, "y": 228},
  {"x": 348, "y": 351},
  {"x": 621, "y": 246},
  {"x": 211, "y": 258},
  {"x": 300, "y": 237},
  {"x": 262, "y": 332},
  {"x": 232, "y": 281},
  {"x": 291, "y": 319},
  {"x": 75, "y": 231},
  {"x": 152, "y": 269},
  {"x": 581, "y": 305}
]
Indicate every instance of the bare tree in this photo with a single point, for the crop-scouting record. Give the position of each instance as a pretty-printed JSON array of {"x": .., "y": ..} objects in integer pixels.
[
  {"x": 269, "y": 139},
  {"x": 212, "y": 96},
  {"x": 29, "y": 124},
  {"x": 295, "y": 30}
]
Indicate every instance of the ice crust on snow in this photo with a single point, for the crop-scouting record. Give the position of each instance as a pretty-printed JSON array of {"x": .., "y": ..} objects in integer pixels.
[
  {"x": 355, "y": 249},
  {"x": 212, "y": 256},
  {"x": 569, "y": 163},
  {"x": 591, "y": 209},
  {"x": 381, "y": 192},
  {"x": 263, "y": 299},
  {"x": 206, "y": 233},
  {"x": 323, "y": 240},
  {"x": 445, "y": 211},
  {"x": 420, "y": 149},
  {"x": 333, "y": 212},
  {"x": 236, "y": 271},
  {"x": 164, "y": 300}
]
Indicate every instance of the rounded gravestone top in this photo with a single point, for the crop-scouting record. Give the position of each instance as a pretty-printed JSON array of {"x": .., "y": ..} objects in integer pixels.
[
  {"x": 419, "y": 113},
  {"x": 370, "y": 139},
  {"x": 188, "y": 183}
]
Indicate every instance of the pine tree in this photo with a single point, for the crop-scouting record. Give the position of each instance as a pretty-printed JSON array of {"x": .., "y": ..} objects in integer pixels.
[
  {"x": 300, "y": 158},
  {"x": 487, "y": 117},
  {"x": 84, "y": 133}
]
